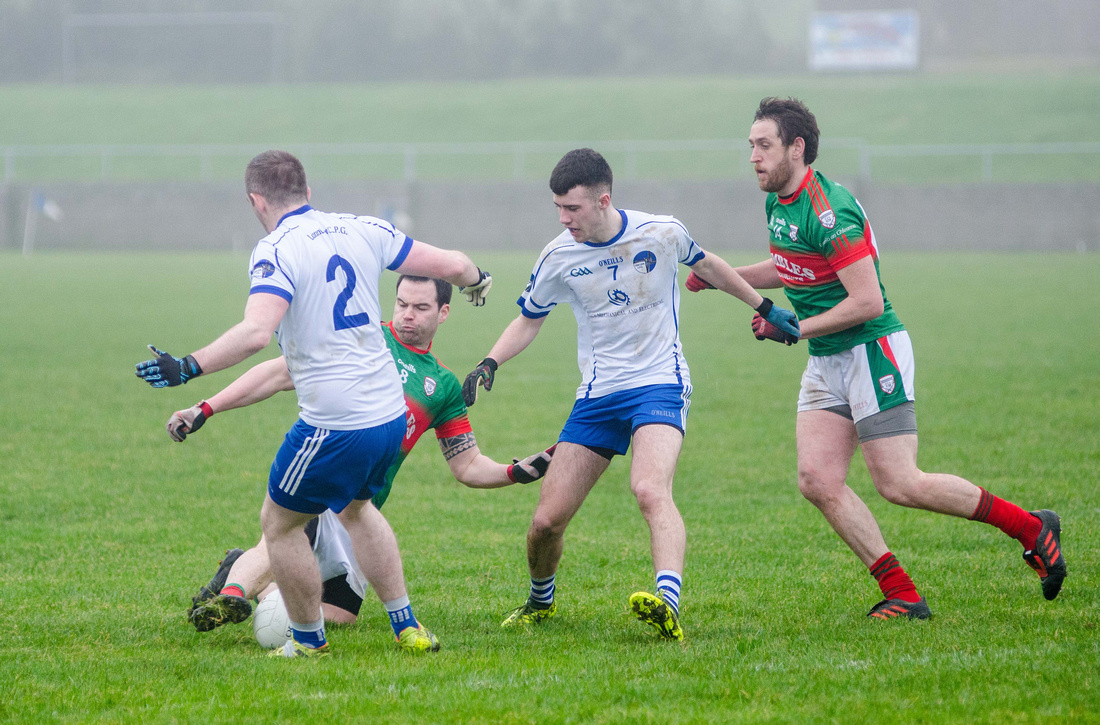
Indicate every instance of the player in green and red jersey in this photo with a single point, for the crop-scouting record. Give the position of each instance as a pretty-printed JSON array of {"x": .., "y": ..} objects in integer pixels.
[
  {"x": 857, "y": 390},
  {"x": 433, "y": 397}
]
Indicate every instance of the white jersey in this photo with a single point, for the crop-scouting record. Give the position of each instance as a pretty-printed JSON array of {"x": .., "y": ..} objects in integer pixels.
[
  {"x": 625, "y": 297},
  {"x": 335, "y": 555},
  {"x": 327, "y": 266}
]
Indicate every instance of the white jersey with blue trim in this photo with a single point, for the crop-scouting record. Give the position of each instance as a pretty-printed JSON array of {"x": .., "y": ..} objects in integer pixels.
[
  {"x": 625, "y": 297},
  {"x": 327, "y": 266}
]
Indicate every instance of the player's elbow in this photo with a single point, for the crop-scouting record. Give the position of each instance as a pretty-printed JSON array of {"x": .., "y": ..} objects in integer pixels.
[
  {"x": 868, "y": 307},
  {"x": 875, "y": 307}
]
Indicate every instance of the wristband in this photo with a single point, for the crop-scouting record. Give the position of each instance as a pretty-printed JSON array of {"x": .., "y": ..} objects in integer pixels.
[
  {"x": 765, "y": 307},
  {"x": 206, "y": 409},
  {"x": 193, "y": 364}
]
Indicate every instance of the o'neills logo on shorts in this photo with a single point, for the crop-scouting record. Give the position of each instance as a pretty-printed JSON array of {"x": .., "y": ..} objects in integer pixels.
[
  {"x": 886, "y": 382},
  {"x": 828, "y": 218}
]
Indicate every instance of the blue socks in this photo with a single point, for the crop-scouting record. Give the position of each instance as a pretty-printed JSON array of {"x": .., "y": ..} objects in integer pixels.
[
  {"x": 542, "y": 591},
  {"x": 401, "y": 615},
  {"x": 668, "y": 586},
  {"x": 311, "y": 635}
]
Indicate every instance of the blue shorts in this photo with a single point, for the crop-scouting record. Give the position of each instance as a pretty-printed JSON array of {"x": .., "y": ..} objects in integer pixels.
[
  {"x": 317, "y": 469},
  {"x": 610, "y": 421}
]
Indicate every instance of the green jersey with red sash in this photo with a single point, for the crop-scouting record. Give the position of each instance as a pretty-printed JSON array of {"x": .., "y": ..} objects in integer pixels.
[
  {"x": 433, "y": 396},
  {"x": 818, "y": 230}
]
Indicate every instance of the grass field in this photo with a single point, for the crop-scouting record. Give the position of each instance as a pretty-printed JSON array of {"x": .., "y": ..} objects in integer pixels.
[
  {"x": 109, "y": 528},
  {"x": 890, "y": 109}
]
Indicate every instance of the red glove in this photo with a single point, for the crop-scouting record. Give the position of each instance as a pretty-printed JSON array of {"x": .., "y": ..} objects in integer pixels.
[
  {"x": 765, "y": 330},
  {"x": 695, "y": 283}
]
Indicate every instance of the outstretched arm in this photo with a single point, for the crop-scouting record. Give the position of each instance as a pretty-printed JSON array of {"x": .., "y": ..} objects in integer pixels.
[
  {"x": 721, "y": 275},
  {"x": 762, "y": 275},
  {"x": 476, "y": 470},
  {"x": 520, "y": 333},
  {"x": 259, "y": 383},
  {"x": 716, "y": 272},
  {"x": 514, "y": 340},
  {"x": 470, "y": 466},
  {"x": 262, "y": 314},
  {"x": 427, "y": 261}
]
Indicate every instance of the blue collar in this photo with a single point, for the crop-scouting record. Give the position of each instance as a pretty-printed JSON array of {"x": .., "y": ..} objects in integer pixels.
[
  {"x": 300, "y": 210},
  {"x": 614, "y": 238}
]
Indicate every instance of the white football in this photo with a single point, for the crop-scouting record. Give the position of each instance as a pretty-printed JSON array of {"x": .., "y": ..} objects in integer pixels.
[{"x": 271, "y": 623}]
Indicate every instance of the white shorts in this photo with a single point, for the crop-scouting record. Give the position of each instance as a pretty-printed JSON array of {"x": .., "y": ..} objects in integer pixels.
[
  {"x": 335, "y": 556},
  {"x": 867, "y": 379}
]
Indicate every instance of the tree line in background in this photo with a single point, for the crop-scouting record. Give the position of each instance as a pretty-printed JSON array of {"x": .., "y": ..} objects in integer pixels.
[{"x": 349, "y": 40}]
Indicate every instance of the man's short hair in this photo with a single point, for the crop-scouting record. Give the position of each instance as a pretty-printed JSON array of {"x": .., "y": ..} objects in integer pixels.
[
  {"x": 277, "y": 176},
  {"x": 443, "y": 288},
  {"x": 581, "y": 167},
  {"x": 794, "y": 120}
]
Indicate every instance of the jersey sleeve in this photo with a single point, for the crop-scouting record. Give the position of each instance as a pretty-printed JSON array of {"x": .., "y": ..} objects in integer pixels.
[
  {"x": 451, "y": 419},
  {"x": 849, "y": 240},
  {"x": 546, "y": 287},
  {"x": 393, "y": 245},
  {"x": 271, "y": 272},
  {"x": 689, "y": 251},
  {"x": 454, "y": 427}
]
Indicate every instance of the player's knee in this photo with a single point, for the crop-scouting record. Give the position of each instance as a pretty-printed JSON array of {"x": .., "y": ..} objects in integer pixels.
[
  {"x": 651, "y": 498},
  {"x": 902, "y": 490},
  {"x": 544, "y": 527},
  {"x": 817, "y": 488}
]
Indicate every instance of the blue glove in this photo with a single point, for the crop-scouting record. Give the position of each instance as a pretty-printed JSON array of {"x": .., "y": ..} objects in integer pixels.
[
  {"x": 785, "y": 320},
  {"x": 167, "y": 371}
]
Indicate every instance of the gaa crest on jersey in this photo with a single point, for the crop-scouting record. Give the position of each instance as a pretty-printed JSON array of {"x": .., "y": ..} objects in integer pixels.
[
  {"x": 429, "y": 386},
  {"x": 828, "y": 218},
  {"x": 262, "y": 269},
  {"x": 886, "y": 382},
  {"x": 644, "y": 262},
  {"x": 618, "y": 297},
  {"x": 794, "y": 233}
]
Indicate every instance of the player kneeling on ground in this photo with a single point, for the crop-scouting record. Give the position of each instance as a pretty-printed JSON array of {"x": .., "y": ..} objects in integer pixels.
[{"x": 434, "y": 400}]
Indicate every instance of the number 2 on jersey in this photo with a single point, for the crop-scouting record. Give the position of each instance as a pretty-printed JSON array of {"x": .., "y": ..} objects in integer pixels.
[{"x": 340, "y": 320}]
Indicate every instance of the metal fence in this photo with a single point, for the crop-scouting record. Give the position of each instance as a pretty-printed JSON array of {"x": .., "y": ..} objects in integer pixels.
[{"x": 513, "y": 160}]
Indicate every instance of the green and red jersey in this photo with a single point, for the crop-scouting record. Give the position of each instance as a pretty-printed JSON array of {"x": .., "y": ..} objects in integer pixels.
[
  {"x": 820, "y": 229},
  {"x": 433, "y": 396}
]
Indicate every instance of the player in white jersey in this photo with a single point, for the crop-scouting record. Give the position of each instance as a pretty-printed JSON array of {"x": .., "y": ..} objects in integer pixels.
[
  {"x": 315, "y": 286},
  {"x": 618, "y": 271}
]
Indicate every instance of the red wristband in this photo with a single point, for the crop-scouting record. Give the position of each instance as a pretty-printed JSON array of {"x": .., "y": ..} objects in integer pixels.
[{"x": 206, "y": 409}]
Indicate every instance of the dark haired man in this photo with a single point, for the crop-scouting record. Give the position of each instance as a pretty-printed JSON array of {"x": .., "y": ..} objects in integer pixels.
[
  {"x": 314, "y": 284},
  {"x": 434, "y": 399},
  {"x": 857, "y": 390},
  {"x": 617, "y": 270}
]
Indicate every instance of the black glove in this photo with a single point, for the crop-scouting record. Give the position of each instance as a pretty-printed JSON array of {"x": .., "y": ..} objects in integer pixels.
[
  {"x": 482, "y": 375},
  {"x": 531, "y": 468},
  {"x": 167, "y": 371}
]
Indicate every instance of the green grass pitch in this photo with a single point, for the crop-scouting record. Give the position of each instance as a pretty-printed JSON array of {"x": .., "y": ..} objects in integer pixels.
[
  {"x": 881, "y": 109},
  {"x": 109, "y": 528}
]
